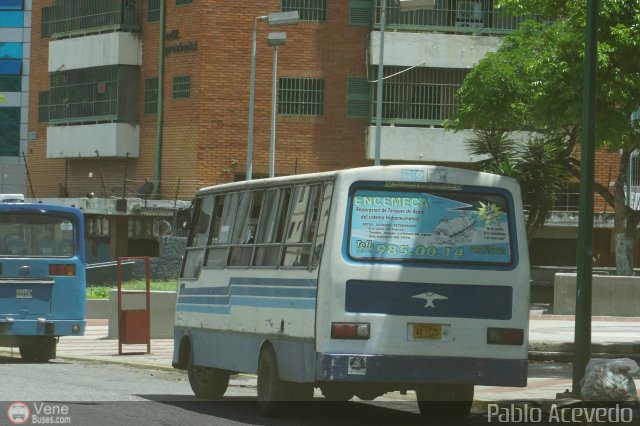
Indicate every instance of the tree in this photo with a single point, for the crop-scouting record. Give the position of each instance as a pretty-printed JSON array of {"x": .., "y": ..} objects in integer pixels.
[{"x": 534, "y": 83}]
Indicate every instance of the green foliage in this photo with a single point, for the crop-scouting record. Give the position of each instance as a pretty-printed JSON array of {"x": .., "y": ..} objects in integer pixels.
[
  {"x": 102, "y": 291},
  {"x": 534, "y": 82},
  {"x": 540, "y": 166}
]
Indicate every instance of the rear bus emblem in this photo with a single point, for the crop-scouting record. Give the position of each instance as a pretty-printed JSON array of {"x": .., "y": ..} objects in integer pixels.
[
  {"x": 24, "y": 271},
  {"x": 430, "y": 297}
]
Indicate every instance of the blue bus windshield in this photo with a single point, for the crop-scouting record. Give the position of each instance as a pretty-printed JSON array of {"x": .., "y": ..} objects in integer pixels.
[{"x": 37, "y": 235}]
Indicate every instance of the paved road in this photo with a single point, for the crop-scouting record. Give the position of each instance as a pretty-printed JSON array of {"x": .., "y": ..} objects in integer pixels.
[{"x": 86, "y": 393}]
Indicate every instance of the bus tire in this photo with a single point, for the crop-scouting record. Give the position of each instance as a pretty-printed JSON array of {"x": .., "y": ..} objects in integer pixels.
[
  {"x": 206, "y": 382},
  {"x": 336, "y": 392},
  {"x": 273, "y": 393},
  {"x": 42, "y": 349},
  {"x": 445, "y": 402}
]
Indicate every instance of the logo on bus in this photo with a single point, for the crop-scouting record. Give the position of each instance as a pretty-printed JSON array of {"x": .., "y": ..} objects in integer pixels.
[
  {"x": 430, "y": 297},
  {"x": 18, "y": 413}
]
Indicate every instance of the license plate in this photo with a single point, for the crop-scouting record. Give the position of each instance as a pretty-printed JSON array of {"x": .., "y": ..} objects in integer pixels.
[
  {"x": 427, "y": 331},
  {"x": 24, "y": 293}
]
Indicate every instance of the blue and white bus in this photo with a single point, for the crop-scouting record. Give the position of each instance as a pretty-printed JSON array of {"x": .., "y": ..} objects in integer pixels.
[
  {"x": 358, "y": 282},
  {"x": 42, "y": 277}
]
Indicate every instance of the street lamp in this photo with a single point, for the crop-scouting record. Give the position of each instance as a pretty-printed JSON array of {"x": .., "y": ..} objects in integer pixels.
[
  {"x": 275, "y": 18},
  {"x": 275, "y": 40}
]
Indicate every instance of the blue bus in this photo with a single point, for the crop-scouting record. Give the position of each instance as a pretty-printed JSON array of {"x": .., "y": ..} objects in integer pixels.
[{"x": 42, "y": 277}]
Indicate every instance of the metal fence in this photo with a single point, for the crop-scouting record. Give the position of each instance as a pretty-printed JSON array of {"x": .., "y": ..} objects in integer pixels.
[
  {"x": 69, "y": 17},
  {"x": 93, "y": 94},
  {"x": 458, "y": 16},
  {"x": 420, "y": 95}
]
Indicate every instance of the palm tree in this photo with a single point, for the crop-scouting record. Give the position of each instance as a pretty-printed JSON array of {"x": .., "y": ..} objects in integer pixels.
[{"x": 538, "y": 165}]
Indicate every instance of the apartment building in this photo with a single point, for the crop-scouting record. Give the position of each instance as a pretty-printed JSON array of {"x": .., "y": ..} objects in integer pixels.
[
  {"x": 131, "y": 100},
  {"x": 15, "y": 40}
]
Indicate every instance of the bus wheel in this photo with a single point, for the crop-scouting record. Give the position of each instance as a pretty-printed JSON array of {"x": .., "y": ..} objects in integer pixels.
[
  {"x": 207, "y": 383},
  {"x": 445, "y": 402},
  {"x": 336, "y": 392},
  {"x": 272, "y": 392},
  {"x": 42, "y": 349}
]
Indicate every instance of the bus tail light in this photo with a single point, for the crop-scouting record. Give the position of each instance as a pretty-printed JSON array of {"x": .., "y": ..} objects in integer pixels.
[
  {"x": 66, "y": 269},
  {"x": 349, "y": 330},
  {"x": 505, "y": 336}
]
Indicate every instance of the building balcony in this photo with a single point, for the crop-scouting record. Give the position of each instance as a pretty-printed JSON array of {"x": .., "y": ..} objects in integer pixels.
[
  {"x": 479, "y": 17},
  {"x": 426, "y": 144},
  {"x": 109, "y": 140},
  {"x": 73, "y": 18},
  {"x": 431, "y": 50},
  {"x": 95, "y": 51}
]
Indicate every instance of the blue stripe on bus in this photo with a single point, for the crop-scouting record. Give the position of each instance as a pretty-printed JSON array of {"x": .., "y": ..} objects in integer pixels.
[
  {"x": 247, "y": 291},
  {"x": 208, "y": 309},
  {"x": 429, "y": 300}
]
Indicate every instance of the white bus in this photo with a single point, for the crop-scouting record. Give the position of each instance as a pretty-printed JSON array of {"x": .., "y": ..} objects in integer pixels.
[{"x": 358, "y": 282}]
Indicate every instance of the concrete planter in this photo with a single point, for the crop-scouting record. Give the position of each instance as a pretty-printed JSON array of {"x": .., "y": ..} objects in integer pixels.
[
  {"x": 97, "y": 309},
  {"x": 611, "y": 295},
  {"x": 163, "y": 304}
]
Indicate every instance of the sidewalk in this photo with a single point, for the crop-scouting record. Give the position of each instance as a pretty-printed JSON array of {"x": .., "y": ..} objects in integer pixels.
[{"x": 550, "y": 342}]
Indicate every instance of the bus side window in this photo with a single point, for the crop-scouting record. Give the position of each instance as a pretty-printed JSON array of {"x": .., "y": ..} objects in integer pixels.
[
  {"x": 220, "y": 236},
  {"x": 271, "y": 227},
  {"x": 322, "y": 224},
  {"x": 301, "y": 226},
  {"x": 194, "y": 255},
  {"x": 245, "y": 227}
]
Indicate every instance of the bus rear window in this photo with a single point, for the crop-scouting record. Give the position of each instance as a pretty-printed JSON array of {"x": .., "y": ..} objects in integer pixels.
[
  {"x": 443, "y": 226},
  {"x": 32, "y": 234}
]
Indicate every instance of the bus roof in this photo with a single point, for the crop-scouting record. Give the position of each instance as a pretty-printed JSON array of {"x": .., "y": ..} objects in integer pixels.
[
  {"x": 374, "y": 170},
  {"x": 41, "y": 207}
]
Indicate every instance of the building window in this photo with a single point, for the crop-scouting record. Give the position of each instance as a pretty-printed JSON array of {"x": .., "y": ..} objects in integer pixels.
[
  {"x": 183, "y": 2},
  {"x": 420, "y": 95},
  {"x": 151, "y": 95},
  {"x": 10, "y": 83},
  {"x": 300, "y": 96},
  {"x": 43, "y": 107},
  {"x": 182, "y": 87},
  {"x": 9, "y": 132},
  {"x": 153, "y": 10},
  {"x": 309, "y": 10}
]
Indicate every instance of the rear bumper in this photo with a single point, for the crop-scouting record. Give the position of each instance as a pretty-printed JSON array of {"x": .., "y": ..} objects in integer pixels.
[
  {"x": 421, "y": 369},
  {"x": 46, "y": 327}
]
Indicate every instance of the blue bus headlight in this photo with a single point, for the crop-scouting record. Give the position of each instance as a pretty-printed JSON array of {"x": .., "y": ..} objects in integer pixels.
[{"x": 75, "y": 328}]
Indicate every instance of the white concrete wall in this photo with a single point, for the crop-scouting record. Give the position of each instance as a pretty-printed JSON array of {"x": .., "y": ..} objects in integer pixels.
[
  {"x": 117, "y": 48},
  {"x": 611, "y": 295},
  {"x": 425, "y": 144},
  {"x": 110, "y": 139},
  {"x": 435, "y": 50}
]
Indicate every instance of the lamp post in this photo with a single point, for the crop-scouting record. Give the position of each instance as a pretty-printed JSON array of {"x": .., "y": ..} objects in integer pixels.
[
  {"x": 383, "y": 15},
  {"x": 275, "y": 18},
  {"x": 275, "y": 40}
]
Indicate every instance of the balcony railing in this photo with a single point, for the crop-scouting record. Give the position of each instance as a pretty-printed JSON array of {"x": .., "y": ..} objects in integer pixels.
[
  {"x": 419, "y": 96},
  {"x": 451, "y": 16},
  {"x": 103, "y": 94},
  {"x": 67, "y": 18}
]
